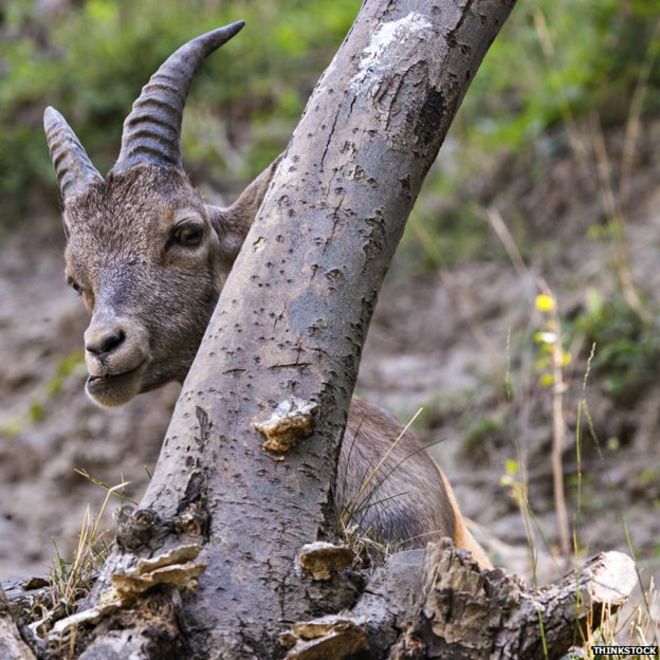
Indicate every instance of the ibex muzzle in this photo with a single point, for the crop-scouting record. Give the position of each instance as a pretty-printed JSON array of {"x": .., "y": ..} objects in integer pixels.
[{"x": 149, "y": 259}]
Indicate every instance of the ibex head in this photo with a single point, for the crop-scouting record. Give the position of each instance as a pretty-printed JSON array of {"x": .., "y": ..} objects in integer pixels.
[{"x": 144, "y": 251}]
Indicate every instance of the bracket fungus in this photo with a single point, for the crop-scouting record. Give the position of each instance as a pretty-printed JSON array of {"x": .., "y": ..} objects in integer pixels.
[
  {"x": 292, "y": 420},
  {"x": 322, "y": 559}
]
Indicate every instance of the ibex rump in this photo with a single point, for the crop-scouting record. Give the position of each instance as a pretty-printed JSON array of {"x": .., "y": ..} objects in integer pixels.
[{"x": 149, "y": 258}]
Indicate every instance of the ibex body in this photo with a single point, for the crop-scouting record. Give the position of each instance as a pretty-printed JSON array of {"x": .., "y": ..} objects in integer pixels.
[{"x": 149, "y": 259}]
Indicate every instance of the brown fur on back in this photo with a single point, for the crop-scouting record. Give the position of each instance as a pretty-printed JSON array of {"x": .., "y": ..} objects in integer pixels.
[{"x": 407, "y": 499}]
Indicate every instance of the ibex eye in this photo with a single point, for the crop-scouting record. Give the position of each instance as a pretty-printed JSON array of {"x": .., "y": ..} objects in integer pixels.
[
  {"x": 74, "y": 285},
  {"x": 188, "y": 235}
]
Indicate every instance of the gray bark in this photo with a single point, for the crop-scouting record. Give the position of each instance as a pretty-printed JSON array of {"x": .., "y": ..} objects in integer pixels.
[
  {"x": 12, "y": 645},
  {"x": 438, "y": 605},
  {"x": 433, "y": 604},
  {"x": 466, "y": 614}
]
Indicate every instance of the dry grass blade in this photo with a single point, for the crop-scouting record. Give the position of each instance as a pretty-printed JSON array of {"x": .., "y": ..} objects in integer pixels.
[
  {"x": 501, "y": 230},
  {"x": 70, "y": 582},
  {"x": 616, "y": 222},
  {"x": 105, "y": 486},
  {"x": 547, "y": 46},
  {"x": 498, "y": 225},
  {"x": 558, "y": 429}
]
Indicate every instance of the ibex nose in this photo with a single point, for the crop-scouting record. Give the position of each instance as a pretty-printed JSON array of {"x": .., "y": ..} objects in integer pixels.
[{"x": 103, "y": 340}]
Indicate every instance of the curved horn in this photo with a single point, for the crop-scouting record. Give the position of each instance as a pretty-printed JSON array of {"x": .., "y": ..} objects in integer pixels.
[
  {"x": 152, "y": 131},
  {"x": 73, "y": 168}
]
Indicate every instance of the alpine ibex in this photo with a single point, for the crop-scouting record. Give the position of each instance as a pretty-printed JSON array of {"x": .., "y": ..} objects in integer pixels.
[{"x": 149, "y": 257}]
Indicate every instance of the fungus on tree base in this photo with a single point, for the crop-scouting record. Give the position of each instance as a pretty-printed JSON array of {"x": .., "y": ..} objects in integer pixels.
[
  {"x": 176, "y": 567},
  {"x": 332, "y": 636},
  {"x": 321, "y": 559}
]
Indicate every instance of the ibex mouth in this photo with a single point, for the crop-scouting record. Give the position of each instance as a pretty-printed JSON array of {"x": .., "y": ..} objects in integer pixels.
[{"x": 115, "y": 389}]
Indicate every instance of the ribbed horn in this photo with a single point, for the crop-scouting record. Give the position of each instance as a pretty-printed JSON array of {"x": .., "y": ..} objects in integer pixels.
[
  {"x": 73, "y": 168},
  {"x": 152, "y": 131}
]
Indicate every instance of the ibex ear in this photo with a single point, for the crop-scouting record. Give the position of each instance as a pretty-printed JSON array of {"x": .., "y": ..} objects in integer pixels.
[{"x": 234, "y": 222}]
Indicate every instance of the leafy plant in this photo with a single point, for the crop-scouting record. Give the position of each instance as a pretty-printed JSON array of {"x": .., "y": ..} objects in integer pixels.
[{"x": 628, "y": 349}]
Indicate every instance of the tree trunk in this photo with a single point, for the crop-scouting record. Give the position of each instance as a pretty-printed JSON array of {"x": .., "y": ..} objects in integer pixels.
[
  {"x": 12, "y": 646},
  {"x": 207, "y": 566}
]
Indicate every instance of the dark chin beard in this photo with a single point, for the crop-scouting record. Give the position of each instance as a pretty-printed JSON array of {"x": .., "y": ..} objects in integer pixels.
[
  {"x": 149, "y": 384},
  {"x": 152, "y": 382}
]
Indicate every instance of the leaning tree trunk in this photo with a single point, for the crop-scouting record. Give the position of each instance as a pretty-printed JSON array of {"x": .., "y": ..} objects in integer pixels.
[{"x": 208, "y": 565}]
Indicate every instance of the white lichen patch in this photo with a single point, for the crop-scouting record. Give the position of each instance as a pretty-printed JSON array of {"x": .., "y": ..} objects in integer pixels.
[
  {"x": 321, "y": 559},
  {"x": 376, "y": 56},
  {"x": 292, "y": 421}
]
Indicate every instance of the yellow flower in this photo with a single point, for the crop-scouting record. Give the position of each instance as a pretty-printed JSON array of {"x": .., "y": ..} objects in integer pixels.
[
  {"x": 546, "y": 380},
  {"x": 545, "y": 303},
  {"x": 511, "y": 466}
]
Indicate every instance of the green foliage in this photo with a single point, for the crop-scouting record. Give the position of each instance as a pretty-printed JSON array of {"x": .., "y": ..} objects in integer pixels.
[
  {"x": 627, "y": 348},
  {"x": 556, "y": 57},
  {"x": 90, "y": 59},
  {"x": 554, "y": 62}
]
